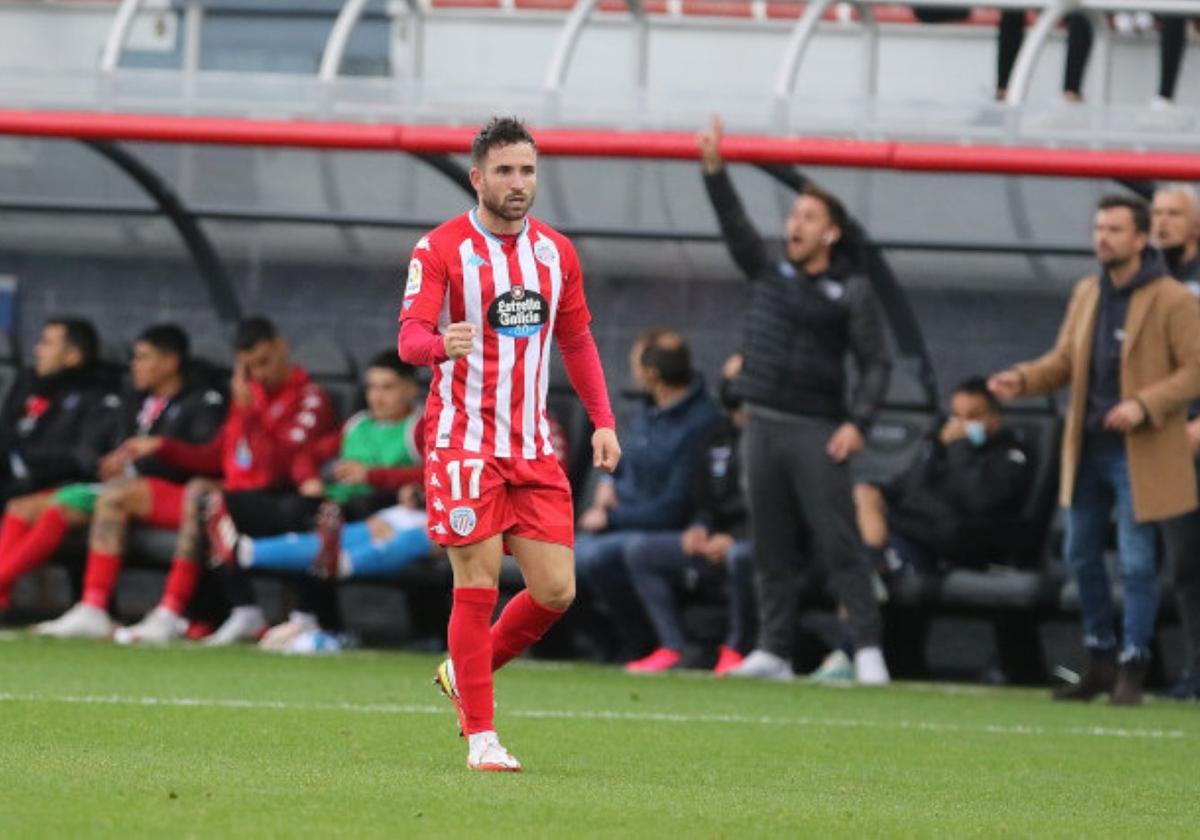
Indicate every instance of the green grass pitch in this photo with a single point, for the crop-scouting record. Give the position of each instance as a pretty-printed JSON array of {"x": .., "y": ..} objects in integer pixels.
[{"x": 97, "y": 740}]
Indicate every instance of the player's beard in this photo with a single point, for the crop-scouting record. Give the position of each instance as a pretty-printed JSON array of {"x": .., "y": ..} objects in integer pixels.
[{"x": 501, "y": 208}]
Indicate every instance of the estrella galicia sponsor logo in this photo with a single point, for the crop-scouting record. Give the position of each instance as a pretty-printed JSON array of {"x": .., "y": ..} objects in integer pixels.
[
  {"x": 518, "y": 313},
  {"x": 462, "y": 521}
]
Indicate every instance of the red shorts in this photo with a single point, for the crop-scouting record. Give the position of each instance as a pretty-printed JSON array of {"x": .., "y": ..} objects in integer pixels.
[
  {"x": 166, "y": 504},
  {"x": 471, "y": 497}
]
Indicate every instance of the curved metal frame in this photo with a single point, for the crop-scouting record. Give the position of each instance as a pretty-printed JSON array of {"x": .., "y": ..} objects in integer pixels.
[
  {"x": 572, "y": 30},
  {"x": 204, "y": 255},
  {"x": 343, "y": 27},
  {"x": 1032, "y": 47}
]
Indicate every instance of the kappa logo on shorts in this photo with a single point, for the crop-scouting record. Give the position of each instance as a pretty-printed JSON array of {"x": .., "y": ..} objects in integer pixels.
[{"x": 462, "y": 520}]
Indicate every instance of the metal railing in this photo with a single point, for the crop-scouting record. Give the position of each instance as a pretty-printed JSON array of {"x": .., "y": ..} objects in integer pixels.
[{"x": 803, "y": 32}]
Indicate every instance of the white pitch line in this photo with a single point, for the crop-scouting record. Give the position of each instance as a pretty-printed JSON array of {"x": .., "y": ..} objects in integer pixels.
[{"x": 603, "y": 715}]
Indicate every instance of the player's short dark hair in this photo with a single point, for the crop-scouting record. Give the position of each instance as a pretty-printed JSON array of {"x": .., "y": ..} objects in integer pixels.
[
  {"x": 253, "y": 330},
  {"x": 499, "y": 131},
  {"x": 80, "y": 334},
  {"x": 668, "y": 356},
  {"x": 833, "y": 205},
  {"x": 390, "y": 360},
  {"x": 167, "y": 338},
  {"x": 1137, "y": 206},
  {"x": 977, "y": 386}
]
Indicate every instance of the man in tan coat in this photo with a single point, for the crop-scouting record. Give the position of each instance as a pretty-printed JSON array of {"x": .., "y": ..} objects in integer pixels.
[{"x": 1129, "y": 348}]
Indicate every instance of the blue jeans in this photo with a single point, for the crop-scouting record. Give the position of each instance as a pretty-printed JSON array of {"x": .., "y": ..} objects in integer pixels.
[
  {"x": 660, "y": 571},
  {"x": 1102, "y": 482}
]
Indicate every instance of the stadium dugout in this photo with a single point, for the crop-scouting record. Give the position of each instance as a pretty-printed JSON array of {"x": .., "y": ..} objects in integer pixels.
[{"x": 291, "y": 172}]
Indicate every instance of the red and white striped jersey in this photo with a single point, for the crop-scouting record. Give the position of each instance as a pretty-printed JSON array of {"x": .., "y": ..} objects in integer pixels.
[{"x": 519, "y": 291}]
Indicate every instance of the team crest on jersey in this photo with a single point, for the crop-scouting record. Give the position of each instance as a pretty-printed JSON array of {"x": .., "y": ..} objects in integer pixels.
[
  {"x": 462, "y": 521},
  {"x": 415, "y": 272},
  {"x": 545, "y": 252},
  {"x": 518, "y": 313}
]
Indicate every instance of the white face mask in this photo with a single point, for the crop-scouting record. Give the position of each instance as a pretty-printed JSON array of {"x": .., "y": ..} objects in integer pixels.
[{"x": 976, "y": 432}]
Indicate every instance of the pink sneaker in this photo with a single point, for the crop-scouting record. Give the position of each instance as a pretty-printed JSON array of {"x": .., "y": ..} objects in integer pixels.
[
  {"x": 727, "y": 660},
  {"x": 663, "y": 659}
]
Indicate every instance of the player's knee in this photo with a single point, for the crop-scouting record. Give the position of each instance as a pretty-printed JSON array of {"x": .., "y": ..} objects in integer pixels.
[{"x": 559, "y": 596}]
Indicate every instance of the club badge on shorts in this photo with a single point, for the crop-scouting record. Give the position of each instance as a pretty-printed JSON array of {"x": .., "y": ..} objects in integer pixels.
[{"x": 462, "y": 521}]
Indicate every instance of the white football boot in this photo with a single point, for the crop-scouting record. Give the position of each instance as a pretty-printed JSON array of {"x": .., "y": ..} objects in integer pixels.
[
  {"x": 485, "y": 753},
  {"x": 245, "y": 624},
  {"x": 160, "y": 626},
  {"x": 82, "y": 621}
]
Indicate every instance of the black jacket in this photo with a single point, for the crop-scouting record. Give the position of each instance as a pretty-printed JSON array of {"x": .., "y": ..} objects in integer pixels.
[
  {"x": 720, "y": 505},
  {"x": 962, "y": 501},
  {"x": 193, "y": 415},
  {"x": 55, "y": 430},
  {"x": 799, "y": 329}
]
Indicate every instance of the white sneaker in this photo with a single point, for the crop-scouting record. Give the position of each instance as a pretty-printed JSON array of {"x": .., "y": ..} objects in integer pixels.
[
  {"x": 835, "y": 668},
  {"x": 160, "y": 626},
  {"x": 763, "y": 665},
  {"x": 245, "y": 624},
  {"x": 484, "y": 752},
  {"x": 281, "y": 636},
  {"x": 869, "y": 667},
  {"x": 82, "y": 621}
]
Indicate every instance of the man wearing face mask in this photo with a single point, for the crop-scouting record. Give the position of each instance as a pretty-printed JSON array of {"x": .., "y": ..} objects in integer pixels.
[
  {"x": 957, "y": 505},
  {"x": 1129, "y": 348},
  {"x": 807, "y": 313},
  {"x": 1175, "y": 225}
]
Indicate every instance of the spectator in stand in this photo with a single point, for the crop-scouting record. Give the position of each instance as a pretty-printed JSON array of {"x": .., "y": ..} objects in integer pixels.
[
  {"x": 163, "y": 401},
  {"x": 276, "y": 414},
  {"x": 1079, "y": 47},
  {"x": 959, "y": 502},
  {"x": 1129, "y": 348},
  {"x": 357, "y": 470},
  {"x": 1176, "y": 228},
  {"x": 650, "y": 491},
  {"x": 1171, "y": 48},
  {"x": 57, "y": 421},
  {"x": 808, "y": 312},
  {"x": 710, "y": 554}
]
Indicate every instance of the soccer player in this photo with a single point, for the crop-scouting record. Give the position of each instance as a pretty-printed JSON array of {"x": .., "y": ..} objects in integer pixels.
[
  {"x": 166, "y": 401},
  {"x": 276, "y": 414},
  {"x": 486, "y": 292}
]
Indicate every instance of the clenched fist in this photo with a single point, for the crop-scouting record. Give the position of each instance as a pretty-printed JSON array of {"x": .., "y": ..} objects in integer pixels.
[{"x": 459, "y": 339}]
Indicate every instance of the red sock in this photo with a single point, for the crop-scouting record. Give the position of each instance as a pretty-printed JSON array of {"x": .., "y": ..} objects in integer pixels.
[
  {"x": 181, "y": 585},
  {"x": 12, "y": 530},
  {"x": 100, "y": 577},
  {"x": 522, "y": 623},
  {"x": 471, "y": 652},
  {"x": 43, "y": 538}
]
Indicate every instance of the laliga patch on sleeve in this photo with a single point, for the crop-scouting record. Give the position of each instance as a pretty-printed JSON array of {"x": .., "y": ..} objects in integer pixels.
[{"x": 415, "y": 272}]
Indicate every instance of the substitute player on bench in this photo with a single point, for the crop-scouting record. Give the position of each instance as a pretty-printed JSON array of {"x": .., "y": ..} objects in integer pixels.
[{"x": 486, "y": 292}]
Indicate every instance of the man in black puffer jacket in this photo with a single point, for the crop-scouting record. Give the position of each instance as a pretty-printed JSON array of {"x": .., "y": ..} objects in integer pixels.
[
  {"x": 807, "y": 313},
  {"x": 61, "y": 417}
]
